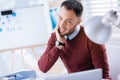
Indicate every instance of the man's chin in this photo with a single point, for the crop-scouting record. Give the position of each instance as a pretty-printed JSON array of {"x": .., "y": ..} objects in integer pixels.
[{"x": 64, "y": 34}]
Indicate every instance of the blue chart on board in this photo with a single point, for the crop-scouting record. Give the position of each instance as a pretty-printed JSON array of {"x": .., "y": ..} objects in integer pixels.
[
  {"x": 9, "y": 21},
  {"x": 24, "y": 27}
]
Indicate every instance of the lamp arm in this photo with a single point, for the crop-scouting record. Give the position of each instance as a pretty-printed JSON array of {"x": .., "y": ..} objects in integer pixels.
[
  {"x": 112, "y": 18},
  {"x": 117, "y": 22}
]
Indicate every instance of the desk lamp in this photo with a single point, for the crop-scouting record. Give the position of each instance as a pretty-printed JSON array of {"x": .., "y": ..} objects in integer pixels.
[{"x": 99, "y": 28}]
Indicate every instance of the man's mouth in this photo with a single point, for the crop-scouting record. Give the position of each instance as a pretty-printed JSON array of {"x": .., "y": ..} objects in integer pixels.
[{"x": 62, "y": 30}]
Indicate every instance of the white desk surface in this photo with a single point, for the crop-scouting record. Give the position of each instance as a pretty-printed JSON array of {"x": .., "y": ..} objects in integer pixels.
[{"x": 42, "y": 76}]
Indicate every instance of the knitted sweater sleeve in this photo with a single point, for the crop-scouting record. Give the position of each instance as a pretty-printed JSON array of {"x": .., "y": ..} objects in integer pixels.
[
  {"x": 99, "y": 58},
  {"x": 50, "y": 55}
]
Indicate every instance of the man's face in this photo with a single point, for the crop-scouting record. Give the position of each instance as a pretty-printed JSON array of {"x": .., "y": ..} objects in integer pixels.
[{"x": 67, "y": 21}]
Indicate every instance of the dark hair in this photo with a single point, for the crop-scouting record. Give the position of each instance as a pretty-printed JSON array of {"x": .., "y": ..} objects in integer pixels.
[{"x": 74, "y": 5}]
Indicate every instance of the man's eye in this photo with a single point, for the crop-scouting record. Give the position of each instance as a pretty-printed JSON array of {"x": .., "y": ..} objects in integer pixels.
[
  {"x": 59, "y": 18},
  {"x": 69, "y": 22}
]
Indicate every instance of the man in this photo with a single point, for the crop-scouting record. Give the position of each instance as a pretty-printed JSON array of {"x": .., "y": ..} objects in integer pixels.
[{"x": 78, "y": 53}]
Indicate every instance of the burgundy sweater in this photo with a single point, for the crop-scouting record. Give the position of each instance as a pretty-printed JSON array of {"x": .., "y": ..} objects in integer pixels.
[{"x": 78, "y": 54}]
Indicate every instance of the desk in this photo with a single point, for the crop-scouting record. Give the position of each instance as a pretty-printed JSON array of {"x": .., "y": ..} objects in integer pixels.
[{"x": 42, "y": 76}]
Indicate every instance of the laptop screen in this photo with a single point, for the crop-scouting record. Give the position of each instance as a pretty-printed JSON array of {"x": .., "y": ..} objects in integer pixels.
[{"x": 95, "y": 74}]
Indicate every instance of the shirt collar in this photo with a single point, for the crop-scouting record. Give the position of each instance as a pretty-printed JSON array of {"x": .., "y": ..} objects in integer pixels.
[{"x": 74, "y": 34}]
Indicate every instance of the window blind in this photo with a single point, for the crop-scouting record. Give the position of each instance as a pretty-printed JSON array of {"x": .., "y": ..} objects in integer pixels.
[{"x": 99, "y": 7}]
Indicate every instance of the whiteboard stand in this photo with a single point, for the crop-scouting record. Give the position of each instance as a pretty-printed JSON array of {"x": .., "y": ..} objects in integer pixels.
[
  {"x": 22, "y": 56},
  {"x": 12, "y": 61},
  {"x": 33, "y": 51}
]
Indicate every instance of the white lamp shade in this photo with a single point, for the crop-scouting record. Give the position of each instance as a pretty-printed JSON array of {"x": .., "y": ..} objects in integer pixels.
[{"x": 96, "y": 31}]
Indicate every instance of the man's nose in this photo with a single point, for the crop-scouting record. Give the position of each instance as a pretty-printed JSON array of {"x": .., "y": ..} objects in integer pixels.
[{"x": 63, "y": 23}]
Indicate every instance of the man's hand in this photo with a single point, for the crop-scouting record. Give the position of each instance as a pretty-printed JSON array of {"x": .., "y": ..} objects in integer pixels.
[{"x": 59, "y": 37}]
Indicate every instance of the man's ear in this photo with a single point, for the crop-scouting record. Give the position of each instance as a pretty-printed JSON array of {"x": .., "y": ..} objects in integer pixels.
[{"x": 78, "y": 21}]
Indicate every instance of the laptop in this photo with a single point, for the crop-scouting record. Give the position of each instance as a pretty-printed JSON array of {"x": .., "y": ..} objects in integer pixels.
[{"x": 94, "y": 74}]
